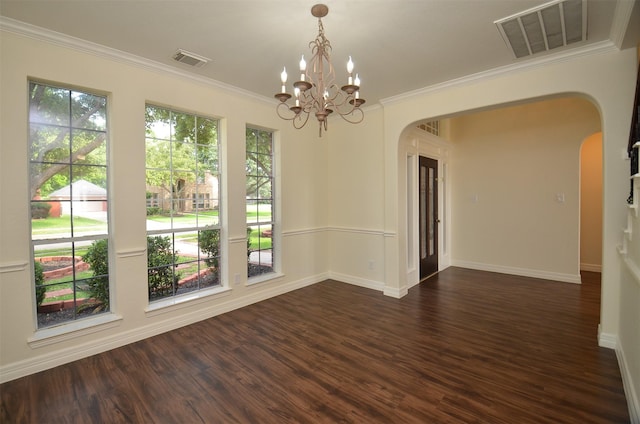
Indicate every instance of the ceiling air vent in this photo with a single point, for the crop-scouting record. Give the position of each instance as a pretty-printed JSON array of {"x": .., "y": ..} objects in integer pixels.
[
  {"x": 546, "y": 27},
  {"x": 190, "y": 59}
]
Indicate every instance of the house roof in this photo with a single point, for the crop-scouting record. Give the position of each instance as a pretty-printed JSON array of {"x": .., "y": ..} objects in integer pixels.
[{"x": 81, "y": 189}]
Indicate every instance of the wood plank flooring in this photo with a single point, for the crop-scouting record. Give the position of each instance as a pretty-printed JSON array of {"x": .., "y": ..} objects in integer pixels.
[{"x": 463, "y": 347}]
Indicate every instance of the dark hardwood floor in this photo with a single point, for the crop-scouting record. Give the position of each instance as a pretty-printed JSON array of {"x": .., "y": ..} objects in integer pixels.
[{"x": 463, "y": 347}]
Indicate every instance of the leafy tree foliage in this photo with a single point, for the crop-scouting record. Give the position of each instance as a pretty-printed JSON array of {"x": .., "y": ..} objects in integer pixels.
[
  {"x": 66, "y": 127},
  {"x": 180, "y": 148},
  {"x": 259, "y": 164}
]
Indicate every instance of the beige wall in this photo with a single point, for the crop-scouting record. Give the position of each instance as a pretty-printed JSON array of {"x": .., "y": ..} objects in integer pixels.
[
  {"x": 301, "y": 201},
  {"x": 516, "y": 202},
  {"x": 591, "y": 203},
  {"x": 356, "y": 201}
]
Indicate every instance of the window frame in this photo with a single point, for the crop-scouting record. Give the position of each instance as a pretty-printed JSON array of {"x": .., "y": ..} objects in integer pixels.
[
  {"x": 273, "y": 223},
  {"x": 74, "y": 239},
  {"x": 186, "y": 200}
]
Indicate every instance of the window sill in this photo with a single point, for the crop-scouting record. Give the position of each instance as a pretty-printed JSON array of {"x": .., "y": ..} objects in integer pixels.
[
  {"x": 72, "y": 330},
  {"x": 264, "y": 278},
  {"x": 189, "y": 299}
]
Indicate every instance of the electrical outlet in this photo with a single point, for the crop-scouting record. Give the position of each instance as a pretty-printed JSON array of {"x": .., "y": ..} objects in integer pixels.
[
  {"x": 371, "y": 264},
  {"x": 236, "y": 278}
]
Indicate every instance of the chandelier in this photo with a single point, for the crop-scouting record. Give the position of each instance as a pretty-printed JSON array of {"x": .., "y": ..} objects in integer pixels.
[{"x": 316, "y": 92}]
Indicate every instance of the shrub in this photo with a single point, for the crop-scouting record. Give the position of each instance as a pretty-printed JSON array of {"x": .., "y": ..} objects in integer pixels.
[
  {"x": 39, "y": 277},
  {"x": 160, "y": 263},
  {"x": 40, "y": 210},
  {"x": 249, "y": 250},
  {"x": 209, "y": 242},
  {"x": 154, "y": 210},
  {"x": 97, "y": 257}
]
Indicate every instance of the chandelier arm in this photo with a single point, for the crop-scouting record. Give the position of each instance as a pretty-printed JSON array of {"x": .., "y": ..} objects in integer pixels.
[
  {"x": 357, "y": 113},
  {"x": 283, "y": 115},
  {"x": 300, "y": 121}
]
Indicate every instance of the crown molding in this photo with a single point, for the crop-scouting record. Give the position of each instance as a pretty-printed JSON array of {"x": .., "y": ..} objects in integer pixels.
[
  {"x": 620, "y": 23},
  {"x": 591, "y": 49},
  {"x": 84, "y": 46}
]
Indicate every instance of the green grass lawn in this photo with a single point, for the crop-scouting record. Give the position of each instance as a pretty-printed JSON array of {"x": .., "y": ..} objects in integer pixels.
[
  {"x": 64, "y": 283},
  {"x": 64, "y": 251},
  {"x": 63, "y": 225},
  {"x": 186, "y": 217},
  {"x": 259, "y": 242}
]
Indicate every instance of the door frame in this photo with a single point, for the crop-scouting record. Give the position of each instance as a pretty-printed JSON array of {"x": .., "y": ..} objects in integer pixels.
[
  {"x": 428, "y": 265},
  {"x": 420, "y": 143}
]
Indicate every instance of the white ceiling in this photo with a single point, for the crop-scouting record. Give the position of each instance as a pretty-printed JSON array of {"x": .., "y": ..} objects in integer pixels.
[{"x": 397, "y": 45}]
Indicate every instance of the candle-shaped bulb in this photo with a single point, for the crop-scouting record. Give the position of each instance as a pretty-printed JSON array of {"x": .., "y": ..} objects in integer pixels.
[
  {"x": 303, "y": 67},
  {"x": 296, "y": 91},
  {"x": 350, "y": 70},
  {"x": 356, "y": 81},
  {"x": 283, "y": 78}
]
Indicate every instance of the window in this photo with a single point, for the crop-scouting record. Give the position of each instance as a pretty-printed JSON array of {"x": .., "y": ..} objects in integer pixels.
[
  {"x": 260, "y": 205},
  {"x": 183, "y": 185},
  {"x": 432, "y": 127},
  {"x": 69, "y": 203}
]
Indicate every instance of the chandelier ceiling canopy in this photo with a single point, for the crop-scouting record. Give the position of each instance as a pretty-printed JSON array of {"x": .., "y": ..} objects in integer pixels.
[{"x": 317, "y": 92}]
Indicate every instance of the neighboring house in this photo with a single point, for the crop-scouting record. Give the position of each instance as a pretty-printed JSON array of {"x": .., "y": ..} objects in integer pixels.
[
  {"x": 201, "y": 194},
  {"x": 87, "y": 196}
]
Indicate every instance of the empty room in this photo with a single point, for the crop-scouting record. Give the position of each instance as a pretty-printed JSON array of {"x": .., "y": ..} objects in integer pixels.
[{"x": 267, "y": 212}]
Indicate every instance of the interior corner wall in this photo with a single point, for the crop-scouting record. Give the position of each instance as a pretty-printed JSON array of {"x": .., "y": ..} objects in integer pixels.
[
  {"x": 591, "y": 203},
  {"x": 356, "y": 202},
  {"x": 516, "y": 197}
]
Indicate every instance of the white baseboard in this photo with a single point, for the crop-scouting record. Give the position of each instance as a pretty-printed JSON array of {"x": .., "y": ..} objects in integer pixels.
[
  {"x": 590, "y": 267},
  {"x": 357, "y": 281},
  {"x": 608, "y": 340},
  {"x": 59, "y": 357},
  {"x": 396, "y": 292},
  {"x": 523, "y": 272},
  {"x": 630, "y": 393}
]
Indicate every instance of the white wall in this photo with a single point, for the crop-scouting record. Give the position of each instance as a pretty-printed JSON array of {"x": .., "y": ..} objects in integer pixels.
[
  {"x": 356, "y": 200},
  {"x": 516, "y": 174},
  {"x": 591, "y": 203},
  {"x": 301, "y": 199}
]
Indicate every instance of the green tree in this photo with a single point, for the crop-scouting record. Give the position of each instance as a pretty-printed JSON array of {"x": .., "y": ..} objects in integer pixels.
[
  {"x": 259, "y": 164},
  {"x": 66, "y": 127},
  {"x": 180, "y": 149}
]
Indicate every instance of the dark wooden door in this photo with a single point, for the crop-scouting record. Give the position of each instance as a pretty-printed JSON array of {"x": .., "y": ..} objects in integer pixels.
[{"x": 428, "y": 210}]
